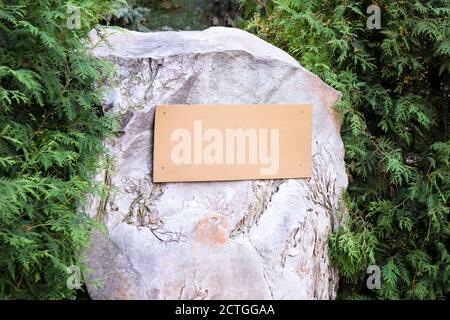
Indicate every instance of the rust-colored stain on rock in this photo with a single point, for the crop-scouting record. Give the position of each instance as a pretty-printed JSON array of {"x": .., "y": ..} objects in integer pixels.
[{"x": 212, "y": 230}]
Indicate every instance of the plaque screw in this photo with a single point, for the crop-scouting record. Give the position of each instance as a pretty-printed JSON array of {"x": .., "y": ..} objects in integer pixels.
[{"x": 162, "y": 168}]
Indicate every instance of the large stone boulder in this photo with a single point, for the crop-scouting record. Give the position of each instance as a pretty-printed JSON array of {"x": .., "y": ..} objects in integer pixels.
[{"x": 261, "y": 239}]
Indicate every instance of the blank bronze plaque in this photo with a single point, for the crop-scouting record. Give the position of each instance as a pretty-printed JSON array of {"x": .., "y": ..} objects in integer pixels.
[{"x": 232, "y": 142}]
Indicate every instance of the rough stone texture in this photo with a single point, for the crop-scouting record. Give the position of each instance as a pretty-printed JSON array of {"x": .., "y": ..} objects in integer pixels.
[{"x": 259, "y": 239}]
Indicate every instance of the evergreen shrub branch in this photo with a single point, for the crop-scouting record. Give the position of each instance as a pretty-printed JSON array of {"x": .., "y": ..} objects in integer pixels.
[{"x": 51, "y": 128}]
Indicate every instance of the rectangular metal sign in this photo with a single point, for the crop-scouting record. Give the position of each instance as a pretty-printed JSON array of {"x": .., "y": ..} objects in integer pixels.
[{"x": 232, "y": 142}]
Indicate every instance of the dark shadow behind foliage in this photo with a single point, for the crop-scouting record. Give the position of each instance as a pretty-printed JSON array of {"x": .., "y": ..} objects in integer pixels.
[{"x": 168, "y": 15}]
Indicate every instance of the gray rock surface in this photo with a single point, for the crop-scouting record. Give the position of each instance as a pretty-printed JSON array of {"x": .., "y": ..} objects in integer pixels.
[{"x": 259, "y": 239}]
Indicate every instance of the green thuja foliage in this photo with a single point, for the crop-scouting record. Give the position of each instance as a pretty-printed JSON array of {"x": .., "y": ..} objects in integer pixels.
[
  {"x": 51, "y": 128},
  {"x": 396, "y": 130}
]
